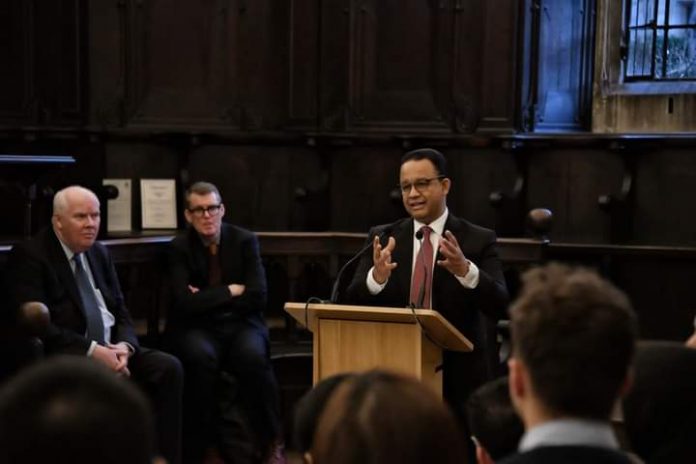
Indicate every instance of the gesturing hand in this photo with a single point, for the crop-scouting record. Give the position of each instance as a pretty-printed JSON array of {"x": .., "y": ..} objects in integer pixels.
[
  {"x": 381, "y": 259},
  {"x": 455, "y": 261}
]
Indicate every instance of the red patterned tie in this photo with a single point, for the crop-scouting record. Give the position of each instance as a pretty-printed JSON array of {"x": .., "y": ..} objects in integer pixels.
[{"x": 422, "y": 272}]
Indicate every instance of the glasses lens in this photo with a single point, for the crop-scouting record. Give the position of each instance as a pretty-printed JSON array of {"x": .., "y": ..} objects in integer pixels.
[{"x": 200, "y": 210}]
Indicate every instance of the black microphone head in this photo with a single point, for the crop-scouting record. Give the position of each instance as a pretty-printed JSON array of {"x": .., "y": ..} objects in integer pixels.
[{"x": 419, "y": 234}]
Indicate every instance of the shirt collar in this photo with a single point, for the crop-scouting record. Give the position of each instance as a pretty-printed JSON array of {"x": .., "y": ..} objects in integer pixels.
[
  {"x": 68, "y": 252},
  {"x": 570, "y": 432},
  {"x": 438, "y": 225}
]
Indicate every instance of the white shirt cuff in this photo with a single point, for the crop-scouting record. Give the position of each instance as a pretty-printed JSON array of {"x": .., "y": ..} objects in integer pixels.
[
  {"x": 92, "y": 347},
  {"x": 471, "y": 279},
  {"x": 372, "y": 286}
]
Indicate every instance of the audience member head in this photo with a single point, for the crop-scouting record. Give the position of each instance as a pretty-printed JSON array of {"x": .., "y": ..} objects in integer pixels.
[
  {"x": 380, "y": 417},
  {"x": 424, "y": 184},
  {"x": 659, "y": 411},
  {"x": 309, "y": 409},
  {"x": 204, "y": 209},
  {"x": 493, "y": 421},
  {"x": 573, "y": 337},
  {"x": 73, "y": 410},
  {"x": 76, "y": 217}
]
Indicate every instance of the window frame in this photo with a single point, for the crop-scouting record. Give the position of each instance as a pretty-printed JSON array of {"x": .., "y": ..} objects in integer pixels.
[{"x": 655, "y": 25}]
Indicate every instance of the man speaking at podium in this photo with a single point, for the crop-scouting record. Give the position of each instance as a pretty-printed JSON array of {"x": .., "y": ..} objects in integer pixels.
[{"x": 436, "y": 260}]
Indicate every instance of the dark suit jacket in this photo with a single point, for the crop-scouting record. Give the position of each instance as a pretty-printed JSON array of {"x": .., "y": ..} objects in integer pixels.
[
  {"x": 240, "y": 261},
  {"x": 568, "y": 455},
  {"x": 38, "y": 270},
  {"x": 473, "y": 311}
]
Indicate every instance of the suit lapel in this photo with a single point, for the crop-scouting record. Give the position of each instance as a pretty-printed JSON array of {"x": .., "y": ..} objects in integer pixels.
[
  {"x": 64, "y": 271},
  {"x": 97, "y": 274}
]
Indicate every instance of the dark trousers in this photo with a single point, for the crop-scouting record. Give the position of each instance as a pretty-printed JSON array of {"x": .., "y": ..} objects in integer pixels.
[
  {"x": 239, "y": 348},
  {"x": 161, "y": 376}
]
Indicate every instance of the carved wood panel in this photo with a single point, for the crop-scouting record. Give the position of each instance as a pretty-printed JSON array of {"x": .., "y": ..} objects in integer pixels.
[
  {"x": 182, "y": 62},
  {"x": 399, "y": 74},
  {"x": 499, "y": 86},
  {"x": 41, "y": 58},
  {"x": 301, "y": 67},
  {"x": 16, "y": 61}
]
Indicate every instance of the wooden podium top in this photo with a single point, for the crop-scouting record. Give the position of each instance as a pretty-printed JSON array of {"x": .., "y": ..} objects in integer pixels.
[{"x": 436, "y": 327}]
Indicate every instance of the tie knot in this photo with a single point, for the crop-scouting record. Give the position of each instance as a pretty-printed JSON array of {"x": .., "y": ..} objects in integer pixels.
[
  {"x": 213, "y": 248},
  {"x": 77, "y": 259},
  {"x": 426, "y": 232}
]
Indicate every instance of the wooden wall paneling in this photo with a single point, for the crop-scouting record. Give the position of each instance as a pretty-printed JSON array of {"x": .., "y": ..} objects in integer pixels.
[
  {"x": 17, "y": 86},
  {"x": 262, "y": 59},
  {"x": 182, "y": 63},
  {"x": 61, "y": 61},
  {"x": 309, "y": 195},
  {"x": 499, "y": 66},
  {"x": 299, "y": 57},
  {"x": 475, "y": 173},
  {"x": 569, "y": 183},
  {"x": 336, "y": 21},
  {"x": 259, "y": 184},
  {"x": 467, "y": 51},
  {"x": 400, "y": 70},
  {"x": 664, "y": 195},
  {"x": 364, "y": 187},
  {"x": 106, "y": 56}
]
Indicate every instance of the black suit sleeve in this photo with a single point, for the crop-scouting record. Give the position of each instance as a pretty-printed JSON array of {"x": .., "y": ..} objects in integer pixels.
[
  {"x": 211, "y": 299},
  {"x": 491, "y": 295},
  {"x": 30, "y": 278}
]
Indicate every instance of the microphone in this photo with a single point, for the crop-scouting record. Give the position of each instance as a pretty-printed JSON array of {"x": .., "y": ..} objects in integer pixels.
[
  {"x": 421, "y": 290},
  {"x": 335, "y": 289}
]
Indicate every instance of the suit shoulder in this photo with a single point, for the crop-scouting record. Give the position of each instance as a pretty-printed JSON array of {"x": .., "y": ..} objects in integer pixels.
[
  {"x": 471, "y": 228},
  {"x": 392, "y": 227},
  {"x": 36, "y": 246},
  {"x": 100, "y": 248},
  {"x": 236, "y": 233}
]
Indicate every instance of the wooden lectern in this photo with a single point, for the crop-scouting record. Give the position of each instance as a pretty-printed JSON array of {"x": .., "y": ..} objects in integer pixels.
[{"x": 357, "y": 338}]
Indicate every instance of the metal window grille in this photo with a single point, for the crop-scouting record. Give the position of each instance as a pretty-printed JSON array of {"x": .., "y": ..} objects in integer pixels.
[{"x": 660, "y": 40}]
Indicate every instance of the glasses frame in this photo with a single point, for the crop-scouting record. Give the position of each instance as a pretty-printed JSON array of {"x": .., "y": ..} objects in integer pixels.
[
  {"x": 424, "y": 184},
  {"x": 199, "y": 211}
]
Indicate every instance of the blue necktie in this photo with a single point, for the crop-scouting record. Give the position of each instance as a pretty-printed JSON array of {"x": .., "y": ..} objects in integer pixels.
[{"x": 95, "y": 323}]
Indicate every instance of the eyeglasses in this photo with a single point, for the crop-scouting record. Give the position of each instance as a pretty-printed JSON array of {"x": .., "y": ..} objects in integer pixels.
[
  {"x": 419, "y": 185},
  {"x": 199, "y": 211}
]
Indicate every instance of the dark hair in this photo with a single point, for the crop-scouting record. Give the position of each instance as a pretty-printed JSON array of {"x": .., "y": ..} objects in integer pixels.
[
  {"x": 659, "y": 410},
  {"x": 493, "y": 420},
  {"x": 380, "y": 417},
  {"x": 432, "y": 155},
  {"x": 73, "y": 410},
  {"x": 201, "y": 188},
  {"x": 309, "y": 409},
  {"x": 575, "y": 332}
]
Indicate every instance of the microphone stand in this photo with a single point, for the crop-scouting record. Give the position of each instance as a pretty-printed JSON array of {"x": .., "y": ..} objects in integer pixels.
[{"x": 335, "y": 290}]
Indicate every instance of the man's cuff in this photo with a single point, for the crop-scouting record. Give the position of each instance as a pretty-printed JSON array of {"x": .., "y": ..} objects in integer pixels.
[
  {"x": 471, "y": 279},
  {"x": 130, "y": 347},
  {"x": 91, "y": 349},
  {"x": 372, "y": 286}
]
